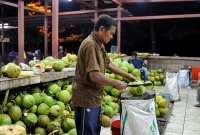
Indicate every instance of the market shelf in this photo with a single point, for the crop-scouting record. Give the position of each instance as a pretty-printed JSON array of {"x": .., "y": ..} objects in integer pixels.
[
  {"x": 51, "y": 76},
  {"x": 10, "y": 83}
]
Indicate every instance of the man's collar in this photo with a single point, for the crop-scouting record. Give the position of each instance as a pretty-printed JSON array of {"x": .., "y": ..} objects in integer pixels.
[{"x": 99, "y": 43}]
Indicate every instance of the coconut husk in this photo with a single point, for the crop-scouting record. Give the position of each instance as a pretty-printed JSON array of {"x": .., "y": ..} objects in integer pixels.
[
  {"x": 40, "y": 67},
  {"x": 12, "y": 130}
]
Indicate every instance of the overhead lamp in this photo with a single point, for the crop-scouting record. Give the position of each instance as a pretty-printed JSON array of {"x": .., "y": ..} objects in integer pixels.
[
  {"x": 6, "y": 26},
  {"x": 9, "y": 27}
]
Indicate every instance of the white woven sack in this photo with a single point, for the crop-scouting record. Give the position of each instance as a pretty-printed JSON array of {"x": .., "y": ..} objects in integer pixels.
[{"x": 138, "y": 117}]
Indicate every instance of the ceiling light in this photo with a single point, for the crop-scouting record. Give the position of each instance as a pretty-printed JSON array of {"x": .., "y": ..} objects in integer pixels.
[
  {"x": 8, "y": 27},
  {"x": 5, "y": 24}
]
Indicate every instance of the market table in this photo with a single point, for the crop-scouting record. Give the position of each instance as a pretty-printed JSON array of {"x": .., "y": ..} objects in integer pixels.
[{"x": 10, "y": 83}]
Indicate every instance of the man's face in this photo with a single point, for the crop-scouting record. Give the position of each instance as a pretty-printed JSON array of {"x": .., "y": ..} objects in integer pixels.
[
  {"x": 133, "y": 56},
  {"x": 108, "y": 35}
]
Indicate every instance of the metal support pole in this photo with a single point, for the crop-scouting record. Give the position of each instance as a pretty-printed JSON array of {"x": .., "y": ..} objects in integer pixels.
[{"x": 55, "y": 17}]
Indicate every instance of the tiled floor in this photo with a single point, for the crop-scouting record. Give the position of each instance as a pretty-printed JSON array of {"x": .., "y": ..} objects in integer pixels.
[{"x": 184, "y": 119}]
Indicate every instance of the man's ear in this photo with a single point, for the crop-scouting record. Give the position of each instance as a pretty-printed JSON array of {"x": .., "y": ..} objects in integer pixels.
[{"x": 101, "y": 29}]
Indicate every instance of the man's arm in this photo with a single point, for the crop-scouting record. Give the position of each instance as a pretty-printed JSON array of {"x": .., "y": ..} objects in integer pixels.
[{"x": 100, "y": 78}]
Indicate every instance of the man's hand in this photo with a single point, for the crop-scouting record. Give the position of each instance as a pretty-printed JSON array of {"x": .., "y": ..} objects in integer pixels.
[
  {"x": 145, "y": 62},
  {"x": 120, "y": 85},
  {"x": 132, "y": 78}
]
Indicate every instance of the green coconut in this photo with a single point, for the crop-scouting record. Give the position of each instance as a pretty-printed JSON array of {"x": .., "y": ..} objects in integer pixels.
[
  {"x": 43, "y": 120},
  {"x": 38, "y": 98},
  {"x": 72, "y": 131},
  {"x": 55, "y": 110},
  {"x": 50, "y": 58},
  {"x": 43, "y": 109},
  {"x": 30, "y": 119},
  {"x": 5, "y": 119},
  {"x": 105, "y": 120},
  {"x": 28, "y": 100},
  {"x": 52, "y": 126},
  {"x": 53, "y": 89},
  {"x": 64, "y": 96},
  {"x": 40, "y": 131},
  {"x": 20, "y": 123},
  {"x": 11, "y": 70},
  {"x": 58, "y": 65},
  {"x": 15, "y": 113},
  {"x": 69, "y": 123}
]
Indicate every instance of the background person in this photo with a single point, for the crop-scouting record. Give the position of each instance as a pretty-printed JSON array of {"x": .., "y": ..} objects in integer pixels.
[
  {"x": 89, "y": 79},
  {"x": 139, "y": 63},
  {"x": 60, "y": 52},
  {"x": 65, "y": 51},
  {"x": 12, "y": 56}
]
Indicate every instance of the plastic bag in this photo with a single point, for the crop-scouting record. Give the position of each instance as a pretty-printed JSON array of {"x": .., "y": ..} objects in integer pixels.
[
  {"x": 183, "y": 78},
  {"x": 138, "y": 117},
  {"x": 171, "y": 85}
]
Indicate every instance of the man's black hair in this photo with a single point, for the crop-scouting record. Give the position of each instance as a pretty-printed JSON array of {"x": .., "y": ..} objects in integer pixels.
[
  {"x": 134, "y": 53},
  {"x": 106, "y": 21}
]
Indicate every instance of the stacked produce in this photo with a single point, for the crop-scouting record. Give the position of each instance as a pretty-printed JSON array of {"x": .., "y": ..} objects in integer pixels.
[
  {"x": 110, "y": 105},
  {"x": 48, "y": 64},
  {"x": 146, "y": 54},
  {"x": 116, "y": 55},
  {"x": 156, "y": 76},
  {"x": 46, "y": 109},
  {"x": 40, "y": 109},
  {"x": 162, "y": 106},
  {"x": 125, "y": 66}
]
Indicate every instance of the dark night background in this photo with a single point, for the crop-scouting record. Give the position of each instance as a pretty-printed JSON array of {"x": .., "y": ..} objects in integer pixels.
[{"x": 172, "y": 36}]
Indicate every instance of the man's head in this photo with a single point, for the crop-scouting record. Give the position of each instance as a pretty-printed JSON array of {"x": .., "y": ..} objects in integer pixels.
[
  {"x": 134, "y": 55},
  {"x": 105, "y": 27}
]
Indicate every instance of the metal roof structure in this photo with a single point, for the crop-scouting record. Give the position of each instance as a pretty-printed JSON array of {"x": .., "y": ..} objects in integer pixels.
[
  {"x": 86, "y": 11},
  {"x": 71, "y": 12}
]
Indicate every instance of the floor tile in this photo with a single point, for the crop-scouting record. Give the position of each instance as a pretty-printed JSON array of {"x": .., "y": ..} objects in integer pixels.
[
  {"x": 178, "y": 113},
  {"x": 106, "y": 131},
  {"x": 177, "y": 120},
  {"x": 192, "y": 118},
  {"x": 192, "y": 126},
  {"x": 174, "y": 128},
  {"x": 183, "y": 103},
  {"x": 190, "y": 132},
  {"x": 179, "y": 108},
  {"x": 193, "y": 110},
  {"x": 170, "y": 133}
]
